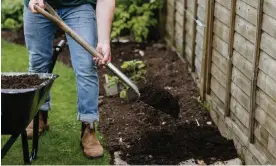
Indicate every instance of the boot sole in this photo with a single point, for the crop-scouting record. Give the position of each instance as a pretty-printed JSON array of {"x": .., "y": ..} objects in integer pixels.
[{"x": 90, "y": 157}]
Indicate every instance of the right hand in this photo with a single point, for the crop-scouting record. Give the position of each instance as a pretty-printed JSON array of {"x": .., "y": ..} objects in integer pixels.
[{"x": 32, "y": 3}]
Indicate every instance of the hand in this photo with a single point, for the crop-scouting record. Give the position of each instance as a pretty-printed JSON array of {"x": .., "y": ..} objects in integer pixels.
[
  {"x": 32, "y": 3},
  {"x": 105, "y": 50}
]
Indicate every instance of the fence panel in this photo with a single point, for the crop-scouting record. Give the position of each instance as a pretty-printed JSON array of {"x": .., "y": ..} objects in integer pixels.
[{"x": 231, "y": 51}]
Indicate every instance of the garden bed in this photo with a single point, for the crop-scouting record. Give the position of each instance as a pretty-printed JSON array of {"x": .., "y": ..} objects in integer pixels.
[
  {"x": 147, "y": 136},
  {"x": 144, "y": 135}
]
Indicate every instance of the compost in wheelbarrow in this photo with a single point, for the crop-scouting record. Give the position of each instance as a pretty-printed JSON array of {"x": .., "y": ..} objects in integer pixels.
[{"x": 19, "y": 106}]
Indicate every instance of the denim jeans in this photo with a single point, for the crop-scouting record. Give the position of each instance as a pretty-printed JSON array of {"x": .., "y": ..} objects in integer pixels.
[{"x": 39, "y": 35}]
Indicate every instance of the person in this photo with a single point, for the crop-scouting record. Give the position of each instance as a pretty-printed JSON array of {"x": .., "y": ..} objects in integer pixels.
[{"x": 91, "y": 19}]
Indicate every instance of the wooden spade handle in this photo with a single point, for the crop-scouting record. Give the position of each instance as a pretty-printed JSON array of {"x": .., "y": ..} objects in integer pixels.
[{"x": 53, "y": 16}]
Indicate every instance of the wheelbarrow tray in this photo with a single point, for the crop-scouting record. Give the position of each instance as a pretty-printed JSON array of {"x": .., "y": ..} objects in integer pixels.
[{"x": 19, "y": 106}]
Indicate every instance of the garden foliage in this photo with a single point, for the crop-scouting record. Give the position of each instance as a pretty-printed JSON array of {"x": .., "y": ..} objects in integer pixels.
[
  {"x": 135, "y": 17},
  {"x": 134, "y": 69},
  {"x": 12, "y": 14}
]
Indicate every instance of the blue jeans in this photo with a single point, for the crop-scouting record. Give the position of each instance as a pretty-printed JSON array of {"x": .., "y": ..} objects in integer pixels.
[{"x": 39, "y": 36}]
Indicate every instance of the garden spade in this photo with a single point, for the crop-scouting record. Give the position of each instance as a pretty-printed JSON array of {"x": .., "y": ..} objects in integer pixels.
[{"x": 153, "y": 96}]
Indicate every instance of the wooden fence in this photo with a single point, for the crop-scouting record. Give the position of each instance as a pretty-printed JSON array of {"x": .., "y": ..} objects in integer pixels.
[{"x": 230, "y": 46}]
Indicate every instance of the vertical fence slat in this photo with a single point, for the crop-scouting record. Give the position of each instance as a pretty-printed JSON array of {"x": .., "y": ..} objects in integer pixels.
[
  {"x": 184, "y": 29},
  {"x": 210, "y": 47},
  {"x": 169, "y": 32},
  {"x": 162, "y": 19},
  {"x": 204, "y": 52},
  {"x": 194, "y": 36},
  {"x": 230, "y": 54},
  {"x": 256, "y": 70},
  {"x": 174, "y": 23}
]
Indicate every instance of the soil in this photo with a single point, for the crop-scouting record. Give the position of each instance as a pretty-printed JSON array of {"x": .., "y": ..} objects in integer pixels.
[
  {"x": 21, "y": 81},
  {"x": 160, "y": 99},
  {"x": 145, "y": 135},
  {"x": 13, "y": 36}
]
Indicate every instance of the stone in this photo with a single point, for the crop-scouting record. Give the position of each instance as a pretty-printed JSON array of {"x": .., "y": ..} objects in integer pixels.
[
  {"x": 235, "y": 161},
  {"x": 209, "y": 123},
  {"x": 118, "y": 160},
  {"x": 142, "y": 53},
  {"x": 159, "y": 46},
  {"x": 188, "y": 162}
]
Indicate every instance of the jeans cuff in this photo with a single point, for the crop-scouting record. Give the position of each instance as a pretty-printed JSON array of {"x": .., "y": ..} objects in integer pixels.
[
  {"x": 46, "y": 106},
  {"x": 88, "y": 118}
]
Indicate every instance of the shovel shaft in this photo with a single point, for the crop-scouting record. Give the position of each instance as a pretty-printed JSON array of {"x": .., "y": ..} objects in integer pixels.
[
  {"x": 58, "y": 21},
  {"x": 53, "y": 16}
]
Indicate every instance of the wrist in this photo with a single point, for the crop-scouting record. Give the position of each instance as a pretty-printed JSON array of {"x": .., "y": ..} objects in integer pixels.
[{"x": 104, "y": 41}]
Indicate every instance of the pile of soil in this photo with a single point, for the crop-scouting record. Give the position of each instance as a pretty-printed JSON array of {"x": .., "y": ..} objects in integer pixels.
[
  {"x": 145, "y": 135},
  {"x": 21, "y": 81}
]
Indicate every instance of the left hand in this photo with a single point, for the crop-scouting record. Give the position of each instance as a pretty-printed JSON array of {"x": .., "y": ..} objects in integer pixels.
[{"x": 105, "y": 50}]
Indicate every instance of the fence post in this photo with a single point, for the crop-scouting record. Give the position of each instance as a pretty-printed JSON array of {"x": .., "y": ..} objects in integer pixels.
[
  {"x": 256, "y": 71},
  {"x": 210, "y": 47},
  {"x": 230, "y": 54},
  {"x": 204, "y": 52},
  {"x": 194, "y": 36}
]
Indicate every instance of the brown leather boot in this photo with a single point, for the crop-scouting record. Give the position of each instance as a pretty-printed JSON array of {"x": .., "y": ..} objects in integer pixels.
[
  {"x": 89, "y": 142},
  {"x": 43, "y": 125}
]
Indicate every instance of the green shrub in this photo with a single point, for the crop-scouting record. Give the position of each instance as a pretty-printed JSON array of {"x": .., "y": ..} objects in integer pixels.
[
  {"x": 12, "y": 14},
  {"x": 135, "y": 17}
]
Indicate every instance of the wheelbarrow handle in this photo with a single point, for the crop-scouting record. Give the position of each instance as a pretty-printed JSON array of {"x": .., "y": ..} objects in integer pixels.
[{"x": 53, "y": 16}]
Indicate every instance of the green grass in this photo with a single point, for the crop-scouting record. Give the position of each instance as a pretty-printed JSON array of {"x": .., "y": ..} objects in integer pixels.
[{"x": 60, "y": 145}]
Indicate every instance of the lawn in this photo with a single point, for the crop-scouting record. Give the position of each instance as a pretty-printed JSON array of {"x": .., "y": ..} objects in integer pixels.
[{"x": 60, "y": 145}]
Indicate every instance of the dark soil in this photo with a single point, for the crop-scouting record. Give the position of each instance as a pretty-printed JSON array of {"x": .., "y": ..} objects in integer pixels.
[
  {"x": 160, "y": 99},
  {"x": 175, "y": 145},
  {"x": 21, "y": 81},
  {"x": 13, "y": 36},
  {"x": 145, "y": 135}
]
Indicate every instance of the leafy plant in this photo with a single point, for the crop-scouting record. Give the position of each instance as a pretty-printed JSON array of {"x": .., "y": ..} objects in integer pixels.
[
  {"x": 135, "y": 69},
  {"x": 123, "y": 94},
  {"x": 12, "y": 14},
  {"x": 204, "y": 104},
  {"x": 136, "y": 17},
  {"x": 111, "y": 80}
]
